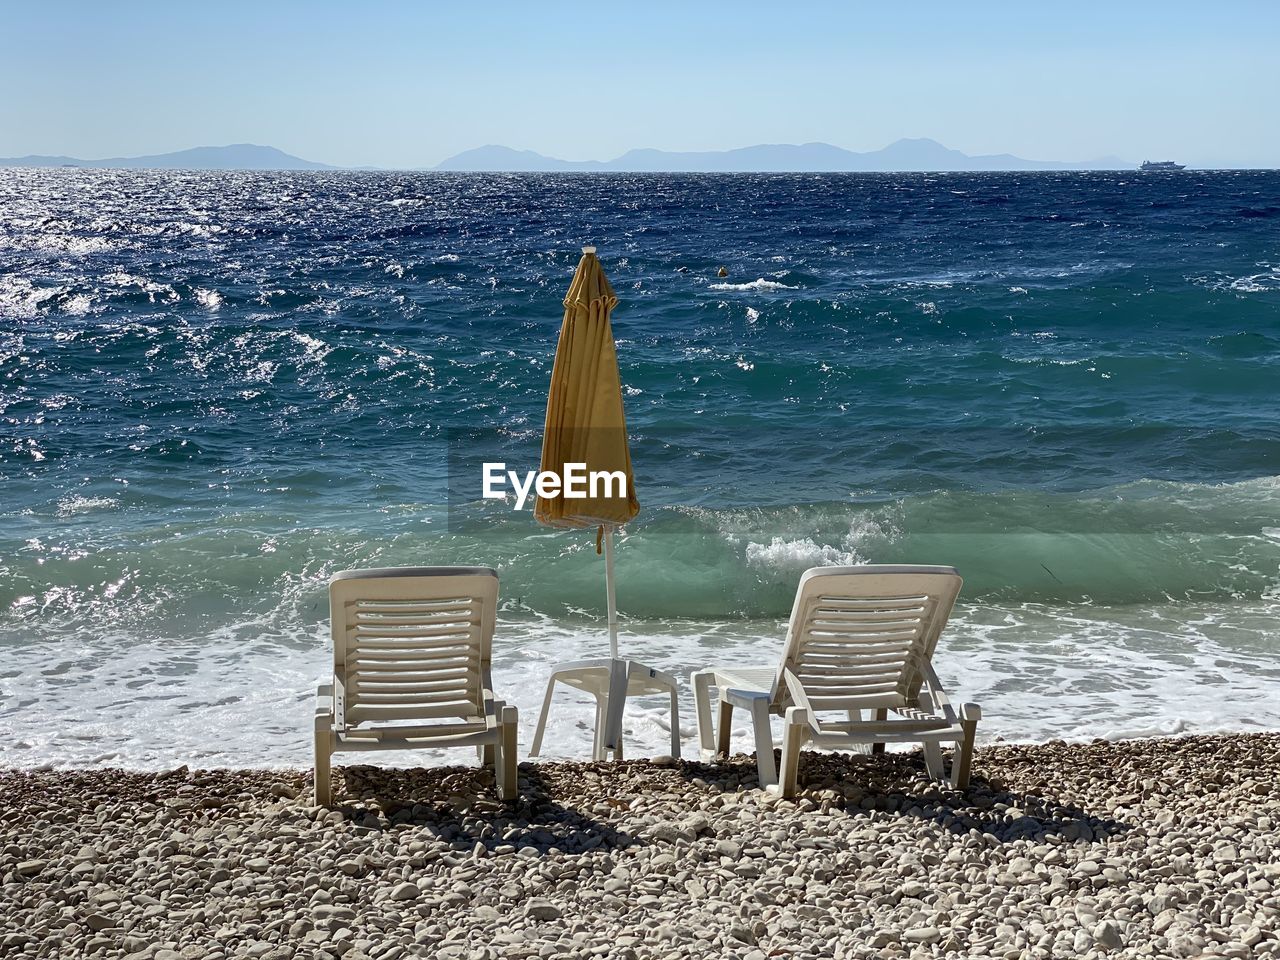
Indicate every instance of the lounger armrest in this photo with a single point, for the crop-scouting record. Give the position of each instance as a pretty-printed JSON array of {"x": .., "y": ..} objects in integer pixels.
[
  {"x": 339, "y": 697},
  {"x": 493, "y": 710},
  {"x": 509, "y": 715},
  {"x": 486, "y": 684},
  {"x": 799, "y": 716},
  {"x": 324, "y": 706},
  {"x": 796, "y": 689},
  {"x": 970, "y": 711},
  {"x": 941, "y": 702}
]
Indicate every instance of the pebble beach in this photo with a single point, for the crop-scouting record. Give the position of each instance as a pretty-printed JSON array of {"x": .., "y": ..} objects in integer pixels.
[{"x": 1160, "y": 848}]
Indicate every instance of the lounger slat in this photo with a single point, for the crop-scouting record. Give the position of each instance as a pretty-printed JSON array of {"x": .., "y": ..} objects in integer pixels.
[
  {"x": 412, "y": 628},
  {"x": 861, "y": 639},
  {"x": 860, "y": 652},
  {"x": 852, "y": 618},
  {"x": 867, "y": 603},
  {"x": 411, "y": 699},
  {"x": 421, "y": 603},
  {"x": 395, "y": 683},
  {"x": 382, "y": 611},
  {"x": 857, "y": 627},
  {"x": 419, "y": 711},
  {"x": 871, "y": 644},
  {"x": 382, "y": 638},
  {"x": 866, "y": 701},
  {"x": 851, "y": 689},
  {"x": 821, "y": 684},
  {"x": 428, "y": 655},
  {"x": 849, "y": 667},
  {"x": 376, "y": 681},
  {"x": 844, "y": 667},
  {"x": 857, "y": 699},
  {"x": 406, "y": 656},
  {"x": 378, "y": 677}
]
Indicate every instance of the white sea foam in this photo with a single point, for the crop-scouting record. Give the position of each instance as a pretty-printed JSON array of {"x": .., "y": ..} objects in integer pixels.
[
  {"x": 783, "y": 556},
  {"x": 209, "y": 299},
  {"x": 760, "y": 285},
  {"x": 59, "y": 243},
  {"x": 156, "y": 292},
  {"x": 78, "y": 305},
  {"x": 1268, "y": 282},
  {"x": 242, "y": 695},
  {"x": 69, "y": 506},
  {"x": 22, "y": 299}
]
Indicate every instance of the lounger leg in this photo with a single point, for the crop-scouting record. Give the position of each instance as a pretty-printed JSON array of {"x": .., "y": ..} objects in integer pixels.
[
  {"x": 505, "y": 764},
  {"x": 855, "y": 718},
  {"x": 931, "y": 749},
  {"x": 724, "y": 724},
  {"x": 323, "y": 745},
  {"x": 766, "y": 770},
  {"x": 542, "y": 717},
  {"x": 702, "y": 711},
  {"x": 962, "y": 762},
  {"x": 933, "y": 759},
  {"x": 881, "y": 714},
  {"x": 323, "y": 790},
  {"x": 486, "y": 752},
  {"x": 795, "y": 731}
]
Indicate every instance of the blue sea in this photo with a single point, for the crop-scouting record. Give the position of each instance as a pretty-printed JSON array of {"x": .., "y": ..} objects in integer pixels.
[{"x": 216, "y": 389}]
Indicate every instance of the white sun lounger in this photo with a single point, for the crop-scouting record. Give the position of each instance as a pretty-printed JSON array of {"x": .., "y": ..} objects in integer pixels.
[
  {"x": 860, "y": 638},
  {"x": 411, "y": 648}
]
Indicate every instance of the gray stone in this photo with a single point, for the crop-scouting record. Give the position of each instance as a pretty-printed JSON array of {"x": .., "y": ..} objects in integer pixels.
[
  {"x": 542, "y": 910},
  {"x": 405, "y": 891},
  {"x": 921, "y": 934},
  {"x": 1108, "y": 935}
]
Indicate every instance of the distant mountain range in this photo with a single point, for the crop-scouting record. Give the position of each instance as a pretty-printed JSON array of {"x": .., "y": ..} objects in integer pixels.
[
  {"x": 902, "y": 155},
  {"x": 235, "y": 156}
]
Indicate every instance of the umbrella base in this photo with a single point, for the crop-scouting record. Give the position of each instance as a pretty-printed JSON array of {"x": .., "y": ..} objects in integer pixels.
[{"x": 610, "y": 682}]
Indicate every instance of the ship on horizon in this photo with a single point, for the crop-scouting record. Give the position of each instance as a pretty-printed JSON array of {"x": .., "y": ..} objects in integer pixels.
[{"x": 1156, "y": 166}]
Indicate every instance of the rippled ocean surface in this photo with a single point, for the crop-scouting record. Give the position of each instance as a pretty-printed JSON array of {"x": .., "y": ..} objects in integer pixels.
[{"x": 216, "y": 389}]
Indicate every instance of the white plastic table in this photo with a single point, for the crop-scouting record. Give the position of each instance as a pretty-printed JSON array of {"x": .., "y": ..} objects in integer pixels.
[{"x": 610, "y": 682}]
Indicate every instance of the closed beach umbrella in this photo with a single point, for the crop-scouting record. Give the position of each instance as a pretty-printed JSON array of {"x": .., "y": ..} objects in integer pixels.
[
  {"x": 586, "y": 427},
  {"x": 585, "y": 421}
]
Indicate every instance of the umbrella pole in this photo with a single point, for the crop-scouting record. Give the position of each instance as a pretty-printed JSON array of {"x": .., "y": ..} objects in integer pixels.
[
  {"x": 618, "y": 671},
  {"x": 612, "y": 597}
]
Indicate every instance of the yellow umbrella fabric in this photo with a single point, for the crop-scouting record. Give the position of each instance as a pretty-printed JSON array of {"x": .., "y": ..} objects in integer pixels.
[{"x": 585, "y": 419}]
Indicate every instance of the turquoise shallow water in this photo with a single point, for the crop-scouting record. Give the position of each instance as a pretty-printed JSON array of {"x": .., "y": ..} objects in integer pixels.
[{"x": 217, "y": 388}]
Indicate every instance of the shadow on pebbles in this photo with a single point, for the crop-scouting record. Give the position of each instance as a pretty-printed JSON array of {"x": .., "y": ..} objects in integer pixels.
[{"x": 1161, "y": 848}]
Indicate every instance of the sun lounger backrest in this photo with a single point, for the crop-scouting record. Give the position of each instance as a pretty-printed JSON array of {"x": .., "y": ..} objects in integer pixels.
[
  {"x": 411, "y": 643},
  {"x": 859, "y": 635}
]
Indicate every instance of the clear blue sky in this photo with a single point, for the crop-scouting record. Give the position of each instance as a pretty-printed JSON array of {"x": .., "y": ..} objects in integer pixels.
[{"x": 410, "y": 83}]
